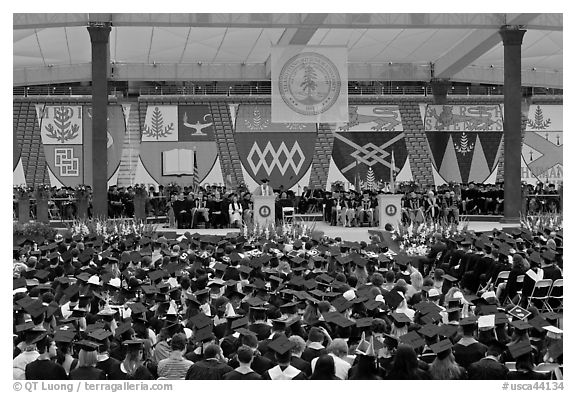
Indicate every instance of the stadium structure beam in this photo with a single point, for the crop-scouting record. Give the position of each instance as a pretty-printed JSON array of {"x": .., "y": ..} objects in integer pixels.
[
  {"x": 490, "y": 21},
  {"x": 256, "y": 72},
  {"x": 298, "y": 36},
  {"x": 473, "y": 46}
]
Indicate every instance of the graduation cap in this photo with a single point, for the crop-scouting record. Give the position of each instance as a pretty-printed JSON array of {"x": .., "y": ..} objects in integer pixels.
[
  {"x": 64, "y": 336},
  {"x": 24, "y": 327},
  {"x": 41, "y": 274},
  {"x": 500, "y": 318},
  {"x": 204, "y": 335},
  {"x": 341, "y": 304},
  {"x": 447, "y": 330},
  {"x": 123, "y": 328},
  {"x": 19, "y": 283},
  {"x": 520, "y": 348},
  {"x": 324, "y": 278},
  {"x": 137, "y": 308},
  {"x": 400, "y": 317},
  {"x": 442, "y": 348},
  {"x": 429, "y": 330},
  {"x": 134, "y": 344},
  {"x": 35, "y": 308},
  {"x": 343, "y": 260},
  {"x": 364, "y": 322},
  {"x": 412, "y": 339},
  {"x": 200, "y": 320},
  {"x": 393, "y": 299},
  {"x": 519, "y": 312},
  {"x": 239, "y": 323},
  {"x": 281, "y": 345},
  {"x": 156, "y": 275},
  {"x": 449, "y": 278},
  {"x": 521, "y": 325},
  {"x": 402, "y": 259},
  {"x": 538, "y": 323},
  {"x": 87, "y": 345},
  {"x": 338, "y": 319},
  {"x": 487, "y": 309},
  {"x": 468, "y": 321},
  {"x": 99, "y": 334},
  {"x": 431, "y": 317},
  {"x": 245, "y": 332}
]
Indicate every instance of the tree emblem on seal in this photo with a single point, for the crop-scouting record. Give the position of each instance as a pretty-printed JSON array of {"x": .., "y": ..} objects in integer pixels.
[{"x": 309, "y": 83}]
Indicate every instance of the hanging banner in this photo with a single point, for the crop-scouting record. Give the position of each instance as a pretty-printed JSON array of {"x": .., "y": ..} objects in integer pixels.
[
  {"x": 171, "y": 134},
  {"x": 542, "y": 150},
  {"x": 464, "y": 140},
  {"x": 61, "y": 130},
  {"x": 281, "y": 152},
  {"x": 309, "y": 84}
]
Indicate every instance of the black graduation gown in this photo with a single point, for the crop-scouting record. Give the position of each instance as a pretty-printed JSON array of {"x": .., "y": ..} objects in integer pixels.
[
  {"x": 487, "y": 369},
  {"x": 466, "y": 355},
  {"x": 87, "y": 373},
  {"x": 235, "y": 375},
  {"x": 107, "y": 365},
  {"x": 44, "y": 369}
]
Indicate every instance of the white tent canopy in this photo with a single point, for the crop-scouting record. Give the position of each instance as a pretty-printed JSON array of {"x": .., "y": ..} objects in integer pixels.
[{"x": 55, "y": 48}]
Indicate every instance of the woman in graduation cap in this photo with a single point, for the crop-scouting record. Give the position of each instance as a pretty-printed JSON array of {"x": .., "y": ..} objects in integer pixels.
[
  {"x": 87, "y": 359},
  {"x": 133, "y": 365}
]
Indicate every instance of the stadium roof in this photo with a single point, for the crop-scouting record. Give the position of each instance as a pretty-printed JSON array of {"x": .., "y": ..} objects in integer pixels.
[{"x": 55, "y": 48}]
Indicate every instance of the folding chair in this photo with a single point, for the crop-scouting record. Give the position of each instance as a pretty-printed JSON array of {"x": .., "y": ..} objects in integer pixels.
[
  {"x": 553, "y": 368},
  {"x": 540, "y": 293},
  {"x": 502, "y": 277},
  {"x": 511, "y": 366},
  {"x": 287, "y": 214},
  {"x": 519, "y": 282},
  {"x": 557, "y": 295}
]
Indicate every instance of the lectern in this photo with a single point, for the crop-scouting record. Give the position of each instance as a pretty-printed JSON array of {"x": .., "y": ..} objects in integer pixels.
[
  {"x": 390, "y": 209},
  {"x": 264, "y": 211}
]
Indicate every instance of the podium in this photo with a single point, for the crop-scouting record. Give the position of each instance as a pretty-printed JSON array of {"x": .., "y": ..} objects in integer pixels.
[
  {"x": 389, "y": 209},
  {"x": 264, "y": 210}
]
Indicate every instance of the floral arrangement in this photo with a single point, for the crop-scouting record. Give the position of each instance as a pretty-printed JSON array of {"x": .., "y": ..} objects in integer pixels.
[
  {"x": 537, "y": 223},
  {"x": 43, "y": 191},
  {"x": 337, "y": 186},
  {"x": 22, "y": 190},
  {"x": 288, "y": 231},
  {"x": 416, "y": 239},
  {"x": 140, "y": 190},
  {"x": 33, "y": 229},
  {"x": 110, "y": 228},
  {"x": 81, "y": 191},
  {"x": 172, "y": 188}
]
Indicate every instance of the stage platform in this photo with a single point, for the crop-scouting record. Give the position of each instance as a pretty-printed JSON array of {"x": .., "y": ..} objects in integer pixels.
[{"x": 345, "y": 233}]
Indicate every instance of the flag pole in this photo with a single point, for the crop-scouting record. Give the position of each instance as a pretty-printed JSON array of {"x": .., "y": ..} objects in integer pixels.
[
  {"x": 392, "y": 168},
  {"x": 195, "y": 174}
]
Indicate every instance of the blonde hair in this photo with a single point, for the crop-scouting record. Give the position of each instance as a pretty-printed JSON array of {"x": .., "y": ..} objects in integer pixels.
[
  {"x": 87, "y": 358},
  {"x": 417, "y": 280}
]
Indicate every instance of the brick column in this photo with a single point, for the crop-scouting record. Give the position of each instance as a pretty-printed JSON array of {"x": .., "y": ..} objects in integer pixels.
[
  {"x": 512, "y": 39},
  {"x": 99, "y": 35},
  {"x": 440, "y": 90}
]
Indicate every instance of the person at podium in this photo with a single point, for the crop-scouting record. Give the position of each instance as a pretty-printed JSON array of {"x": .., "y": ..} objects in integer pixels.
[{"x": 264, "y": 188}]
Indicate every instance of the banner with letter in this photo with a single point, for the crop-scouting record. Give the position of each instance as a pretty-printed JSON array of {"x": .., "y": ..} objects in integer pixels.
[{"x": 309, "y": 84}]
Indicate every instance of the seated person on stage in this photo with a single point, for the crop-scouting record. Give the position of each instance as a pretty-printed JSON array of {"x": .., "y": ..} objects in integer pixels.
[
  {"x": 305, "y": 199},
  {"x": 365, "y": 210},
  {"x": 431, "y": 206},
  {"x": 327, "y": 202},
  {"x": 348, "y": 212},
  {"x": 182, "y": 214},
  {"x": 450, "y": 207},
  {"x": 247, "y": 207},
  {"x": 414, "y": 209},
  {"x": 216, "y": 213},
  {"x": 200, "y": 209},
  {"x": 337, "y": 202},
  {"x": 235, "y": 211}
]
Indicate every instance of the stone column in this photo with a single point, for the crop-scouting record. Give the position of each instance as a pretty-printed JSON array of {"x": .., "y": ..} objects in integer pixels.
[
  {"x": 512, "y": 39},
  {"x": 439, "y": 90},
  {"x": 99, "y": 35},
  {"x": 23, "y": 208},
  {"x": 42, "y": 206}
]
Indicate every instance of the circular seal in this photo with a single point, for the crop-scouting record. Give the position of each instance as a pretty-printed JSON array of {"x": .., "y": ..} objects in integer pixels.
[
  {"x": 309, "y": 83},
  {"x": 391, "y": 210},
  {"x": 264, "y": 211}
]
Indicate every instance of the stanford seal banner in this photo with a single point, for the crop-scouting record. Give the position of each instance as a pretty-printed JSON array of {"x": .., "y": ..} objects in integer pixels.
[{"x": 309, "y": 84}]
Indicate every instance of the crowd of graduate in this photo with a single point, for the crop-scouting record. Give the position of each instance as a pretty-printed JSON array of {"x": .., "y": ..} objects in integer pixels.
[{"x": 227, "y": 307}]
